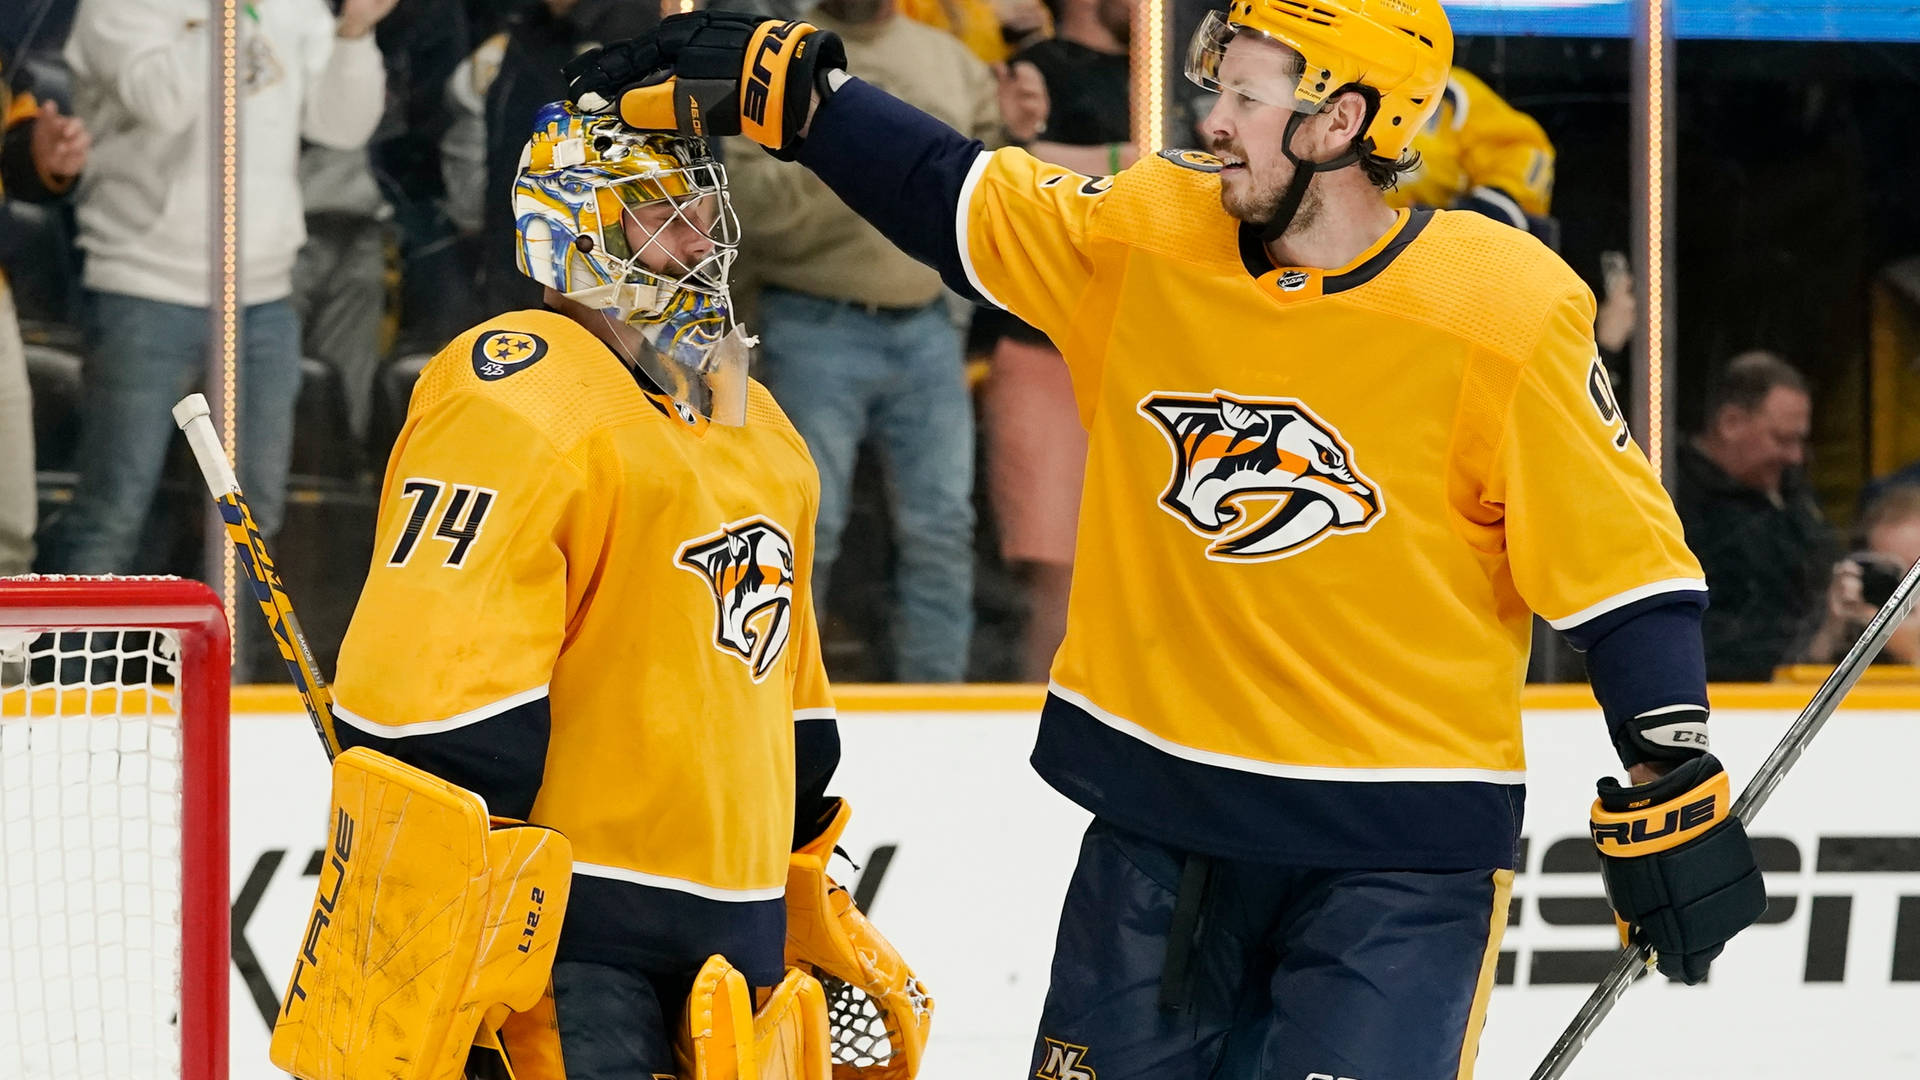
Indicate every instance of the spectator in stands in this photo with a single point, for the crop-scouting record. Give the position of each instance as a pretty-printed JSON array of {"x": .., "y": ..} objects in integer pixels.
[
  {"x": 41, "y": 154},
  {"x": 364, "y": 201},
  {"x": 340, "y": 278},
  {"x": 1068, "y": 99},
  {"x": 538, "y": 42},
  {"x": 1749, "y": 517},
  {"x": 141, "y": 77},
  {"x": 1479, "y": 153},
  {"x": 1890, "y": 545},
  {"x": 423, "y": 41},
  {"x": 991, "y": 29},
  {"x": 858, "y": 339}
]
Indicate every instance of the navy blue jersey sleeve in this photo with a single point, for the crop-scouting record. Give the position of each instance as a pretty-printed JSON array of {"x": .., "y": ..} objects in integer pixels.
[
  {"x": 816, "y": 754},
  {"x": 912, "y": 192},
  {"x": 1646, "y": 662},
  {"x": 501, "y": 756}
]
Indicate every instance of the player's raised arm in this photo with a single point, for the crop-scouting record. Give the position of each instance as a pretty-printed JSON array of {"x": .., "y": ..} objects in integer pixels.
[
  {"x": 1001, "y": 227},
  {"x": 447, "y": 662},
  {"x": 1596, "y": 549}
]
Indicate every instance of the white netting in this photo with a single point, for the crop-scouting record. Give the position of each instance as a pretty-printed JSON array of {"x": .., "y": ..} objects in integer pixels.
[
  {"x": 857, "y": 1026},
  {"x": 90, "y": 855}
]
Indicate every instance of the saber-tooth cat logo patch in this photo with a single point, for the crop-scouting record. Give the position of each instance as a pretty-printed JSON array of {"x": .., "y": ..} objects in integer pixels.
[
  {"x": 1260, "y": 478},
  {"x": 748, "y": 566}
]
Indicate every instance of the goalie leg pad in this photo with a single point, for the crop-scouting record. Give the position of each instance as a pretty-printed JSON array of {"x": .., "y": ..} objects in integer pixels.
[
  {"x": 428, "y": 923},
  {"x": 879, "y": 1012}
]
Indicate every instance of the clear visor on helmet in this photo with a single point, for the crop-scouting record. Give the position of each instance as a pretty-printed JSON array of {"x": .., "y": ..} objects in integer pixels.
[{"x": 1262, "y": 69}]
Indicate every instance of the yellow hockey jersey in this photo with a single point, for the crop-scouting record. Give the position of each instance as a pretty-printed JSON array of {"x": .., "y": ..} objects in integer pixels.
[
  {"x": 1476, "y": 143},
  {"x": 1320, "y": 510},
  {"x": 594, "y": 609}
]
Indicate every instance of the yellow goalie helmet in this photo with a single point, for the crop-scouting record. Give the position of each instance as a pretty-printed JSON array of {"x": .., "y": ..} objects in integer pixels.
[
  {"x": 1401, "y": 50},
  {"x": 639, "y": 226}
]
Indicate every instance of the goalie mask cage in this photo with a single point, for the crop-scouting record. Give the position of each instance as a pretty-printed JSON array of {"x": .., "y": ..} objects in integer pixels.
[{"x": 113, "y": 829}]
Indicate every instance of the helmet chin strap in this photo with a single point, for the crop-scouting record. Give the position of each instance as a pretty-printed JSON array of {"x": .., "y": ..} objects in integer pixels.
[{"x": 1303, "y": 174}]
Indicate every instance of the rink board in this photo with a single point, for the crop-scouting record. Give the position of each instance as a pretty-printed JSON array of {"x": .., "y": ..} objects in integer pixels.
[{"x": 981, "y": 852}]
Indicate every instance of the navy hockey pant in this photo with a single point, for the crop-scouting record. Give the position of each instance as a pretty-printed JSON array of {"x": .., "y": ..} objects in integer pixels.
[
  {"x": 616, "y": 1023},
  {"x": 1273, "y": 972}
]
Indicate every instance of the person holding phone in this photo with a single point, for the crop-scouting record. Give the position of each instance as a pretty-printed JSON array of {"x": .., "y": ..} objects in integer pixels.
[{"x": 1890, "y": 534}]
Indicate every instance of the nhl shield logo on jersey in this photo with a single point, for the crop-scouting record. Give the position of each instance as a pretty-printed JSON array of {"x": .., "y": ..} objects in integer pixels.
[
  {"x": 1262, "y": 478},
  {"x": 748, "y": 566},
  {"x": 499, "y": 353}
]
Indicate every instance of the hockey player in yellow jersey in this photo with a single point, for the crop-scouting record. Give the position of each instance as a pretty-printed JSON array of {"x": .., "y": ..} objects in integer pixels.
[
  {"x": 1339, "y": 454},
  {"x": 589, "y": 601},
  {"x": 1477, "y": 152}
]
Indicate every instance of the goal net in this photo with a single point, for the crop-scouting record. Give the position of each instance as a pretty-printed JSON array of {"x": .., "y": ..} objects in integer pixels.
[{"x": 113, "y": 829}]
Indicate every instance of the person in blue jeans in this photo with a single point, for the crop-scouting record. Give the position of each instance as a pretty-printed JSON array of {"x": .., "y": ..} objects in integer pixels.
[
  {"x": 857, "y": 340},
  {"x": 309, "y": 70},
  {"x": 841, "y": 370},
  {"x": 142, "y": 356}
]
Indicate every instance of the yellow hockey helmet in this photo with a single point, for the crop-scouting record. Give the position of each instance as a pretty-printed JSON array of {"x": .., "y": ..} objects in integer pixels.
[{"x": 1401, "y": 50}]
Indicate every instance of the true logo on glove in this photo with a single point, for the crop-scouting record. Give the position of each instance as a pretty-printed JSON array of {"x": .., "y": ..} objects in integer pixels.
[
  {"x": 1640, "y": 830},
  {"x": 758, "y": 93}
]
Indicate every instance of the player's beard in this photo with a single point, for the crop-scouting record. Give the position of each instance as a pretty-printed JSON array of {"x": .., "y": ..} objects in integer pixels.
[{"x": 1255, "y": 199}]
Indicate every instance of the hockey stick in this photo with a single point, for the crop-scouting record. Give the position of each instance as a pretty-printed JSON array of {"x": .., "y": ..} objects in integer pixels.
[
  {"x": 1635, "y": 960},
  {"x": 487, "y": 1062},
  {"x": 192, "y": 415}
]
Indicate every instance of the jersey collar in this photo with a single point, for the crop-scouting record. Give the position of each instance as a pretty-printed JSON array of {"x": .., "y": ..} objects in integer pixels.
[{"x": 1292, "y": 284}]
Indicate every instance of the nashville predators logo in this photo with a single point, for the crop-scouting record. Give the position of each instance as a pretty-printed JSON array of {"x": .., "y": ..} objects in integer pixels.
[
  {"x": 500, "y": 353},
  {"x": 748, "y": 565},
  {"x": 1262, "y": 478},
  {"x": 1064, "y": 1061}
]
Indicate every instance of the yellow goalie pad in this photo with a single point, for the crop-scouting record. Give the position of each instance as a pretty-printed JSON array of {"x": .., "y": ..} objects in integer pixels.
[
  {"x": 430, "y": 925},
  {"x": 879, "y": 1013},
  {"x": 723, "y": 1038}
]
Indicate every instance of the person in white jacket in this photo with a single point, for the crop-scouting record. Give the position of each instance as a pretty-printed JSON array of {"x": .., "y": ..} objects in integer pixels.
[{"x": 143, "y": 73}]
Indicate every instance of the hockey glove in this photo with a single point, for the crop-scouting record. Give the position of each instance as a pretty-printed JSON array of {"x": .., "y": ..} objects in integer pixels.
[
  {"x": 1678, "y": 867},
  {"x": 708, "y": 73}
]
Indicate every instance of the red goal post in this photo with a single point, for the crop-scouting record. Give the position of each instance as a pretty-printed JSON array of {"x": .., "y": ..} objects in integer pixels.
[{"x": 113, "y": 827}]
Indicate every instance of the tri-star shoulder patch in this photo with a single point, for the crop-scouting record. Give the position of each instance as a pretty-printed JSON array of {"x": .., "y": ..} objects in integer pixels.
[{"x": 499, "y": 353}]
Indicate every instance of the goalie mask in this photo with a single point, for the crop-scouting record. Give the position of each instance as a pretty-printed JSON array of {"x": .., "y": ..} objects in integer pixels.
[{"x": 638, "y": 226}]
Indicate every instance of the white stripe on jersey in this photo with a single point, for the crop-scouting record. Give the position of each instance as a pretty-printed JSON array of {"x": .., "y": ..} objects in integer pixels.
[
  {"x": 692, "y": 888},
  {"x": 974, "y": 173},
  {"x": 435, "y": 727},
  {"x": 1620, "y": 600}
]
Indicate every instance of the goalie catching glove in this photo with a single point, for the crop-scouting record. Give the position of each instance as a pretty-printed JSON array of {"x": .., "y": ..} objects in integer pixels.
[
  {"x": 879, "y": 1012},
  {"x": 708, "y": 73},
  {"x": 1678, "y": 866}
]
